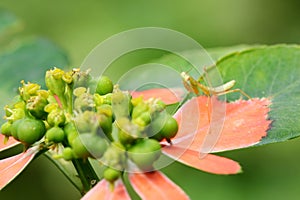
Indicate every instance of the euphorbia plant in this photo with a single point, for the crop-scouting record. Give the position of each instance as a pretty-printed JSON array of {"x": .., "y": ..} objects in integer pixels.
[
  {"x": 127, "y": 135},
  {"x": 246, "y": 124}
]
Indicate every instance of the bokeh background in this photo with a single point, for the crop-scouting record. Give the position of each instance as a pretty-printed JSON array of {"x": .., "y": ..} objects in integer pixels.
[{"x": 270, "y": 172}]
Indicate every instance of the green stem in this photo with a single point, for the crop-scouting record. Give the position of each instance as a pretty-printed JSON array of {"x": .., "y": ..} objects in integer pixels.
[
  {"x": 86, "y": 174},
  {"x": 69, "y": 94},
  {"x": 63, "y": 102}
]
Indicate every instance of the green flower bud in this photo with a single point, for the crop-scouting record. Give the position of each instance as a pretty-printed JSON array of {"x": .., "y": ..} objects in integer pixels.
[
  {"x": 127, "y": 131},
  {"x": 106, "y": 125},
  {"x": 55, "y": 134},
  {"x": 144, "y": 153},
  {"x": 139, "y": 110},
  {"x": 89, "y": 145},
  {"x": 79, "y": 91},
  {"x": 28, "y": 90},
  {"x": 121, "y": 102},
  {"x": 54, "y": 81},
  {"x": 16, "y": 114},
  {"x": 56, "y": 118},
  {"x": 81, "y": 79},
  {"x": 115, "y": 156},
  {"x": 70, "y": 131},
  {"x": 143, "y": 120},
  {"x": 170, "y": 128},
  {"x": 35, "y": 105},
  {"x": 14, "y": 129},
  {"x": 84, "y": 102},
  {"x": 88, "y": 121},
  {"x": 111, "y": 175},
  {"x": 6, "y": 129},
  {"x": 51, "y": 107},
  {"x": 105, "y": 109},
  {"x": 67, "y": 77},
  {"x": 104, "y": 85},
  {"x": 163, "y": 127},
  {"x": 156, "y": 105},
  {"x": 30, "y": 131},
  {"x": 105, "y": 119},
  {"x": 43, "y": 93},
  {"x": 68, "y": 154},
  {"x": 79, "y": 148},
  {"x": 104, "y": 99},
  {"x": 137, "y": 101}
]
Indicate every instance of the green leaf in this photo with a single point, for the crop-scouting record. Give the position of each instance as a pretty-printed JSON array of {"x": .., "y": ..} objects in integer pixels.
[
  {"x": 271, "y": 72},
  {"x": 27, "y": 61},
  {"x": 260, "y": 71}
]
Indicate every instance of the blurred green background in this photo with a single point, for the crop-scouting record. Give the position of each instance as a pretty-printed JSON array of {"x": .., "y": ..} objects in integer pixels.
[{"x": 270, "y": 172}]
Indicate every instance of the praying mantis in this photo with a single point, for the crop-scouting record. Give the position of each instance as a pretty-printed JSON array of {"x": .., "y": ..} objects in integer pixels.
[{"x": 195, "y": 86}]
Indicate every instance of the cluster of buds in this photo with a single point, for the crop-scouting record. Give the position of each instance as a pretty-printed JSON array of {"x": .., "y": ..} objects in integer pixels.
[{"x": 108, "y": 125}]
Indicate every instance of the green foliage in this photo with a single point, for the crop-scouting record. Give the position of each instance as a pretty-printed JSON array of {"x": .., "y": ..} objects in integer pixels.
[
  {"x": 261, "y": 71},
  {"x": 272, "y": 72}
]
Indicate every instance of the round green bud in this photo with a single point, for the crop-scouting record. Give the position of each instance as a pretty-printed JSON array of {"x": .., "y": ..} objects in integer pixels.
[
  {"x": 68, "y": 153},
  {"x": 55, "y": 134},
  {"x": 79, "y": 148},
  {"x": 70, "y": 131},
  {"x": 170, "y": 128},
  {"x": 30, "y": 130},
  {"x": 111, "y": 175},
  {"x": 89, "y": 145},
  {"x": 6, "y": 129},
  {"x": 104, "y": 85},
  {"x": 14, "y": 129},
  {"x": 144, "y": 153}
]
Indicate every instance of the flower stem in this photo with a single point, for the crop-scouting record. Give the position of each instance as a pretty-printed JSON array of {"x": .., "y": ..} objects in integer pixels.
[
  {"x": 86, "y": 174},
  {"x": 69, "y": 96}
]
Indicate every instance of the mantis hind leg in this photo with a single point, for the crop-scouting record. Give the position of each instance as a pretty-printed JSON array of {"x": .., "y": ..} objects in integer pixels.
[{"x": 234, "y": 90}]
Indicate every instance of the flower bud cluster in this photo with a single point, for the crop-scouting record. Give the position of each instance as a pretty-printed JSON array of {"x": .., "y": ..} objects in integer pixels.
[{"x": 108, "y": 125}]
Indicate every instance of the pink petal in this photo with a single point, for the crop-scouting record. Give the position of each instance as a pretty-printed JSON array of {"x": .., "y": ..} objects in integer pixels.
[
  {"x": 155, "y": 186},
  {"x": 9, "y": 144},
  {"x": 11, "y": 167},
  {"x": 209, "y": 163},
  {"x": 167, "y": 95},
  {"x": 244, "y": 125},
  {"x": 102, "y": 191}
]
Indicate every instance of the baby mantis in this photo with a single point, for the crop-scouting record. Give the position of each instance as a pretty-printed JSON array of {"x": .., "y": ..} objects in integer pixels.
[{"x": 193, "y": 86}]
